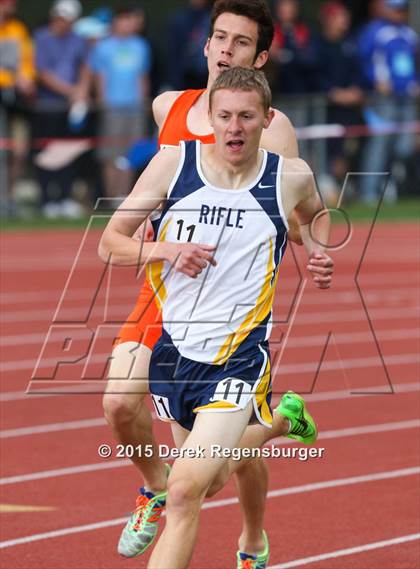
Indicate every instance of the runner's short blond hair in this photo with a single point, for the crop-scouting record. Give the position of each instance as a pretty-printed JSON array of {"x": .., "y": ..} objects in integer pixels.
[{"x": 243, "y": 79}]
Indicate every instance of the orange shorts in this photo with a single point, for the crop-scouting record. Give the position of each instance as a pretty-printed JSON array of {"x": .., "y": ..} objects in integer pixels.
[{"x": 144, "y": 324}]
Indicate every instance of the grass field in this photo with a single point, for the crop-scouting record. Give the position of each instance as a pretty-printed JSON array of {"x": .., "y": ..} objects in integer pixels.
[{"x": 403, "y": 210}]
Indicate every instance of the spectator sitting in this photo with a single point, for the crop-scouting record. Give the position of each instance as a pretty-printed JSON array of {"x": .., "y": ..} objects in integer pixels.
[
  {"x": 389, "y": 50},
  {"x": 339, "y": 76},
  {"x": 120, "y": 65},
  {"x": 17, "y": 88},
  {"x": 187, "y": 35},
  {"x": 60, "y": 63}
]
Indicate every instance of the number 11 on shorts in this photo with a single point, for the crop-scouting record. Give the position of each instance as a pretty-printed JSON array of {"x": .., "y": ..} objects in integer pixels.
[{"x": 162, "y": 407}]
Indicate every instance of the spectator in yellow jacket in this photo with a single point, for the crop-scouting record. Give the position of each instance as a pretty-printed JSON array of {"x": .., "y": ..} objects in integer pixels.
[{"x": 17, "y": 85}]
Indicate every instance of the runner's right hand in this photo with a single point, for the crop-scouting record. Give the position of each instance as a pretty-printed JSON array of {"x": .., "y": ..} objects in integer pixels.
[{"x": 190, "y": 258}]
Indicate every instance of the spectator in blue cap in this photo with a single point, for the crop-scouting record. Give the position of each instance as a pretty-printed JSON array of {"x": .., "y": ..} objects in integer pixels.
[{"x": 389, "y": 51}]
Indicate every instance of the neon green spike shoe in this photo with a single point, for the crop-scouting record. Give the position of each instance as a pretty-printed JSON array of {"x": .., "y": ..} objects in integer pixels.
[
  {"x": 260, "y": 561},
  {"x": 142, "y": 527},
  {"x": 303, "y": 427}
]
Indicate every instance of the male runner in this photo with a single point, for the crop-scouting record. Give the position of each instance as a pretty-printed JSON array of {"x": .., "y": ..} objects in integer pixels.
[
  {"x": 241, "y": 34},
  {"x": 210, "y": 373}
]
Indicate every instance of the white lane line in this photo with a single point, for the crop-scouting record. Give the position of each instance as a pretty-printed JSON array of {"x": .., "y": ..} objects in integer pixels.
[
  {"x": 100, "y": 421},
  {"x": 53, "y": 295},
  {"x": 76, "y": 390},
  {"x": 61, "y": 391},
  {"x": 29, "y": 264},
  {"x": 351, "y": 363},
  {"x": 315, "y": 340},
  {"x": 346, "y": 394},
  {"x": 221, "y": 503},
  {"x": 78, "y": 315},
  {"x": 52, "y": 428},
  {"x": 280, "y": 441},
  {"x": 82, "y": 469},
  {"x": 91, "y": 262},
  {"x": 357, "y": 431},
  {"x": 349, "y": 551},
  {"x": 289, "y": 282},
  {"x": 124, "y": 292}
]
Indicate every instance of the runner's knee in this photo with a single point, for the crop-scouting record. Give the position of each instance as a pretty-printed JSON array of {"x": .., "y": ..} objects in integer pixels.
[
  {"x": 120, "y": 408},
  {"x": 183, "y": 495},
  {"x": 253, "y": 469}
]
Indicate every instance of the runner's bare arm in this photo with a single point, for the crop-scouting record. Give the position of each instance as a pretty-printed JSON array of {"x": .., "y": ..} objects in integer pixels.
[
  {"x": 161, "y": 106},
  {"x": 119, "y": 247},
  {"x": 299, "y": 193},
  {"x": 280, "y": 138}
]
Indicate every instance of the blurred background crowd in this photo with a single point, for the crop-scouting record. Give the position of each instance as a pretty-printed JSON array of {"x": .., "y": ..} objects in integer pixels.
[{"x": 76, "y": 92}]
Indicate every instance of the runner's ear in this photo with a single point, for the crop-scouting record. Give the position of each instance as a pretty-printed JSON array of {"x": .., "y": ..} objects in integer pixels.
[
  {"x": 206, "y": 48},
  {"x": 210, "y": 116},
  {"x": 261, "y": 59},
  {"x": 268, "y": 118}
]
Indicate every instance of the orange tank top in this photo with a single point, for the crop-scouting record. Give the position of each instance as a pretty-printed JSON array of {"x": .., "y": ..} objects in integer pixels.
[{"x": 175, "y": 126}]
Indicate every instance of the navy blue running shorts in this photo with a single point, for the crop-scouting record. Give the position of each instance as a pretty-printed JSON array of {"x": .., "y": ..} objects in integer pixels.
[{"x": 181, "y": 387}]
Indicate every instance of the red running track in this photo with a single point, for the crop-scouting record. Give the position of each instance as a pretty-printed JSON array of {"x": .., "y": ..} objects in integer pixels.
[{"x": 356, "y": 507}]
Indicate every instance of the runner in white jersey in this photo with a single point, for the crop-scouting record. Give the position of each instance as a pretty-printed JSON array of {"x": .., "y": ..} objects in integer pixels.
[
  {"x": 213, "y": 377},
  {"x": 248, "y": 232}
]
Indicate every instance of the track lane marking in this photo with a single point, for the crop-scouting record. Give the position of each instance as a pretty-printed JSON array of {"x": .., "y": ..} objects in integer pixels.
[
  {"x": 79, "y": 424},
  {"x": 279, "y": 441},
  {"x": 77, "y": 316},
  {"x": 311, "y": 297},
  {"x": 315, "y": 340},
  {"x": 321, "y": 396},
  {"x": 348, "y": 551},
  {"x": 21, "y": 508},
  {"x": 53, "y": 428},
  {"x": 221, "y": 503},
  {"x": 394, "y": 359}
]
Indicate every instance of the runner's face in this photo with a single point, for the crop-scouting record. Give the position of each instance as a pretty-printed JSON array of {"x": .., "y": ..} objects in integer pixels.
[
  {"x": 233, "y": 43},
  {"x": 238, "y": 119}
]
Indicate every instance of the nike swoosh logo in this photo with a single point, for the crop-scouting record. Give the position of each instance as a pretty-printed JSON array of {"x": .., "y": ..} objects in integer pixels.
[{"x": 261, "y": 186}]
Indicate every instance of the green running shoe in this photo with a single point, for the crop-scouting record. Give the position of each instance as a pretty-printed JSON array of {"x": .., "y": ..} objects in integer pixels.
[
  {"x": 260, "y": 561},
  {"x": 303, "y": 427},
  {"x": 142, "y": 527}
]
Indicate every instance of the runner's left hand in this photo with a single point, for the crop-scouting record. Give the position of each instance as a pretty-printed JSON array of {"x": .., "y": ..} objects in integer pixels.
[{"x": 321, "y": 267}]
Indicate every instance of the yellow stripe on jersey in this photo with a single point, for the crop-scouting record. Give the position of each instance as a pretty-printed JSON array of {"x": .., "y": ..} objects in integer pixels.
[
  {"x": 216, "y": 405},
  {"x": 154, "y": 272},
  {"x": 255, "y": 316},
  {"x": 261, "y": 394}
]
